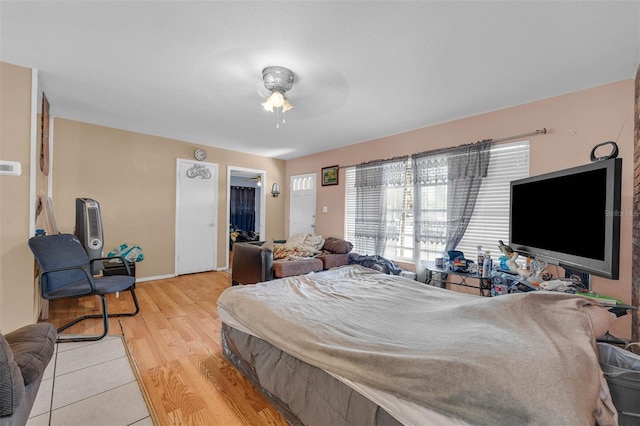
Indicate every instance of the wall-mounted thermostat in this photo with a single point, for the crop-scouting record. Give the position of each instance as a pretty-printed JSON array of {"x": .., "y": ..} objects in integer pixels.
[{"x": 10, "y": 168}]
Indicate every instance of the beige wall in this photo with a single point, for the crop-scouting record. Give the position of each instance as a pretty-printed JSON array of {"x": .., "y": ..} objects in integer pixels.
[
  {"x": 575, "y": 123},
  {"x": 16, "y": 261},
  {"x": 133, "y": 177}
]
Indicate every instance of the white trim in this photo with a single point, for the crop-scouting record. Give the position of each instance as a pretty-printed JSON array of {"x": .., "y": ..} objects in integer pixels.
[
  {"x": 157, "y": 277},
  {"x": 33, "y": 153},
  {"x": 177, "y": 214},
  {"x": 263, "y": 205}
]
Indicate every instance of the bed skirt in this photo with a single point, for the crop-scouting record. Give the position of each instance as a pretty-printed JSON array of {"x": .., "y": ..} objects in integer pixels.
[{"x": 303, "y": 394}]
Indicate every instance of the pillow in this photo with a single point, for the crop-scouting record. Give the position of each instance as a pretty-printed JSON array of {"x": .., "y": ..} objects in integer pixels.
[
  {"x": 290, "y": 251},
  {"x": 337, "y": 245},
  {"x": 279, "y": 252},
  {"x": 297, "y": 239},
  {"x": 315, "y": 241}
]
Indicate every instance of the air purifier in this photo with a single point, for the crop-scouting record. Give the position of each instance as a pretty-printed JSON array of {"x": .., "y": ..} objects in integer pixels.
[{"x": 89, "y": 229}]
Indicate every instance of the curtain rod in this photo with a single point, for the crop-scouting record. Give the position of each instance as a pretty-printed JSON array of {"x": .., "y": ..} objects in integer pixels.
[
  {"x": 508, "y": 138},
  {"x": 504, "y": 139}
]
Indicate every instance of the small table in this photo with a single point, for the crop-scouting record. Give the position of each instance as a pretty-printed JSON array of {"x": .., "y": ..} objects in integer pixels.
[{"x": 440, "y": 276}]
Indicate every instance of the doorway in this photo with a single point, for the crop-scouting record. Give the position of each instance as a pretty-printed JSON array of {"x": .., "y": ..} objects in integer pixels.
[
  {"x": 243, "y": 221},
  {"x": 302, "y": 206},
  {"x": 196, "y": 216}
]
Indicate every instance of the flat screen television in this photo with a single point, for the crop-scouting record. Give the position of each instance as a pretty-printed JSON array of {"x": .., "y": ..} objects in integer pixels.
[{"x": 570, "y": 218}]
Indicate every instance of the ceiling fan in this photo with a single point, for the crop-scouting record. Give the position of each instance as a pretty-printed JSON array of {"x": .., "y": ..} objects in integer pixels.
[
  {"x": 319, "y": 88},
  {"x": 257, "y": 179}
]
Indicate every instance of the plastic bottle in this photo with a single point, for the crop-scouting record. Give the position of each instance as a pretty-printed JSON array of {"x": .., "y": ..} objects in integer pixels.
[
  {"x": 487, "y": 265},
  {"x": 480, "y": 260},
  {"x": 499, "y": 285},
  {"x": 446, "y": 262}
]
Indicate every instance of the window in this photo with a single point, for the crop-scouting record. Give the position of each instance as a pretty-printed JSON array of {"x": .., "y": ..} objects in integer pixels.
[
  {"x": 490, "y": 220},
  {"x": 489, "y": 223}
]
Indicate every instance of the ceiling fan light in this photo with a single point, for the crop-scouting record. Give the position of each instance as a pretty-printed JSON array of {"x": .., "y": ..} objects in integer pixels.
[
  {"x": 277, "y": 80},
  {"x": 267, "y": 106},
  {"x": 286, "y": 106},
  {"x": 276, "y": 99}
]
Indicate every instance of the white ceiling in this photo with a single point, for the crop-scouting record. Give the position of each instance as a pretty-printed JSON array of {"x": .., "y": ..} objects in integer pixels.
[{"x": 191, "y": 70}]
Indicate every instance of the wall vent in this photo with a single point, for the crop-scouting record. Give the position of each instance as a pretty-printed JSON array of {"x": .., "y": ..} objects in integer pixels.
[{"x": 10, "y": 168}]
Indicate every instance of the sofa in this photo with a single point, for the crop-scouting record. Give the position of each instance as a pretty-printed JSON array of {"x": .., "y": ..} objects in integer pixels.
[
  {"x": 24, "y": 356},
  {"x": 259, "y": 261}
]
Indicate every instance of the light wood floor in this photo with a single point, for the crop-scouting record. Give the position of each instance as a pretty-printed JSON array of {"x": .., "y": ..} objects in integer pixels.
[{"x": 175, "y": 342}]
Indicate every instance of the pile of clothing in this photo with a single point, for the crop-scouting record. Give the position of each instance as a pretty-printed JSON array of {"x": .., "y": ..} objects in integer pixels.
[{"x": 376, "y": 262}]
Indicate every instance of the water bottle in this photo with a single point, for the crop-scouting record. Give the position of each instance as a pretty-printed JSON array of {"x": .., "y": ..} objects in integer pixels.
[
  {"x": 480, "y": 260},
  {"x": 487, "y": 265}
]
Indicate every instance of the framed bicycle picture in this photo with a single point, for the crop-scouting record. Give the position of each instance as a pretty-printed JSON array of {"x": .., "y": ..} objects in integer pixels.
[{"x": 330, "y": 175}]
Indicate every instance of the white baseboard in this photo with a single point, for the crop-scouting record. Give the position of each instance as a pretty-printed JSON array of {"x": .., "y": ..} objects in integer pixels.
[{"x": 157, "y": 277}]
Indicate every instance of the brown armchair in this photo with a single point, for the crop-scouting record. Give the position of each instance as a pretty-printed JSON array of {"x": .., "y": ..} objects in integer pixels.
[{"x": 252, "y": 263}]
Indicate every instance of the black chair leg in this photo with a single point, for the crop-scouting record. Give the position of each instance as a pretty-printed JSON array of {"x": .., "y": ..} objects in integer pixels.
[
  {"x": 105, "y": 320},
  {"x": 105, "y": 325},
  {"x": 135, "y": 302}
]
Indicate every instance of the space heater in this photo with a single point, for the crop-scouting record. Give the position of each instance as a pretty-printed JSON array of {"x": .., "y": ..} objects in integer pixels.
[{"x": 89, "y": 229}]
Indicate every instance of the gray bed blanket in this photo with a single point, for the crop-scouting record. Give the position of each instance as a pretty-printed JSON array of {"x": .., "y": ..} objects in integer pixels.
[{"x": 519, "y": 359}]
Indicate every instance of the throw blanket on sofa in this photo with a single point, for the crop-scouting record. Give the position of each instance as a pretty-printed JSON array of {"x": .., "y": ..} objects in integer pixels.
[
  {"x": 299, "y": 246},
  {"x": 517, "y": 359}
]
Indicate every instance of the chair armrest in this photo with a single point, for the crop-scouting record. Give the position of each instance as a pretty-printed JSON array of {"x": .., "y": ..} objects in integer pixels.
[
  {"x": 251, "y": 263},
  {"x": 87, "y": 273},
  {"x": 122, "y": 260}
]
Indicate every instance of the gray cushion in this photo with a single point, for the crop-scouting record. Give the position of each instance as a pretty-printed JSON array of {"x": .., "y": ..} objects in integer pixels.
[
  {"x": 32, "y": 348},
  {"x": 11, "y": 382}
]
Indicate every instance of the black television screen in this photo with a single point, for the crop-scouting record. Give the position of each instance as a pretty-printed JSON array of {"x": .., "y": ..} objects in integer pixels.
[{"x": 570, "y": 217}]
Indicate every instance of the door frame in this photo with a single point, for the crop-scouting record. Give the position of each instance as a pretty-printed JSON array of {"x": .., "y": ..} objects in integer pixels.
[
  {"x": 236, "y": 170},
  {"x": 292, "y": 178},
  {"x": 179, "y": 162}
]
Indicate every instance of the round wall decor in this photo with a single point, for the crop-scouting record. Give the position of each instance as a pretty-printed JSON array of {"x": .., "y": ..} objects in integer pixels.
[{"x": 200, "y": 154}]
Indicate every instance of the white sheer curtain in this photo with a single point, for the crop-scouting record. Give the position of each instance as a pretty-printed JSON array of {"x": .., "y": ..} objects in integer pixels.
[
  {"x": 379, "y": 193},
  {"x": 445, "y": 187}
]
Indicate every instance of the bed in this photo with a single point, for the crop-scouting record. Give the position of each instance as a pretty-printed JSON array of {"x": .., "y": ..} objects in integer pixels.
[{"x": 355, "y": 346}]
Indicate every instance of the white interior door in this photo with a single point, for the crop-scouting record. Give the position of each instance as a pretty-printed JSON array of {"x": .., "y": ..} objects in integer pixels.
[
  {"x": 196, "y": 216},
  {"x": 302, "y": 205}
]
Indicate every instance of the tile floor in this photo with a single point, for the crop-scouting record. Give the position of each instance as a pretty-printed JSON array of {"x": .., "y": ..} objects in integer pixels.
[{"x": 90, "y": 383}]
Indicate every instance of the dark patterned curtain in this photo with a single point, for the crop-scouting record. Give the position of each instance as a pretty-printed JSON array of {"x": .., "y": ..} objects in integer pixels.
[{"x": 243, "y": 208}]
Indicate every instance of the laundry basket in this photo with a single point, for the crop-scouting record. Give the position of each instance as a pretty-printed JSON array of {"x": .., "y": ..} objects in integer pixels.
[{"x": 621, "y": 368}]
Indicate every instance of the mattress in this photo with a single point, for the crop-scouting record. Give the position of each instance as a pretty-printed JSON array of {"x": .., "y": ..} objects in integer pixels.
[{"x": 275, "y": 373}]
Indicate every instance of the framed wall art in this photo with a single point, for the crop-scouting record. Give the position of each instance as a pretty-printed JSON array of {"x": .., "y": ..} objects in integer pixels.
[{"x": 330, "y": 175}]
